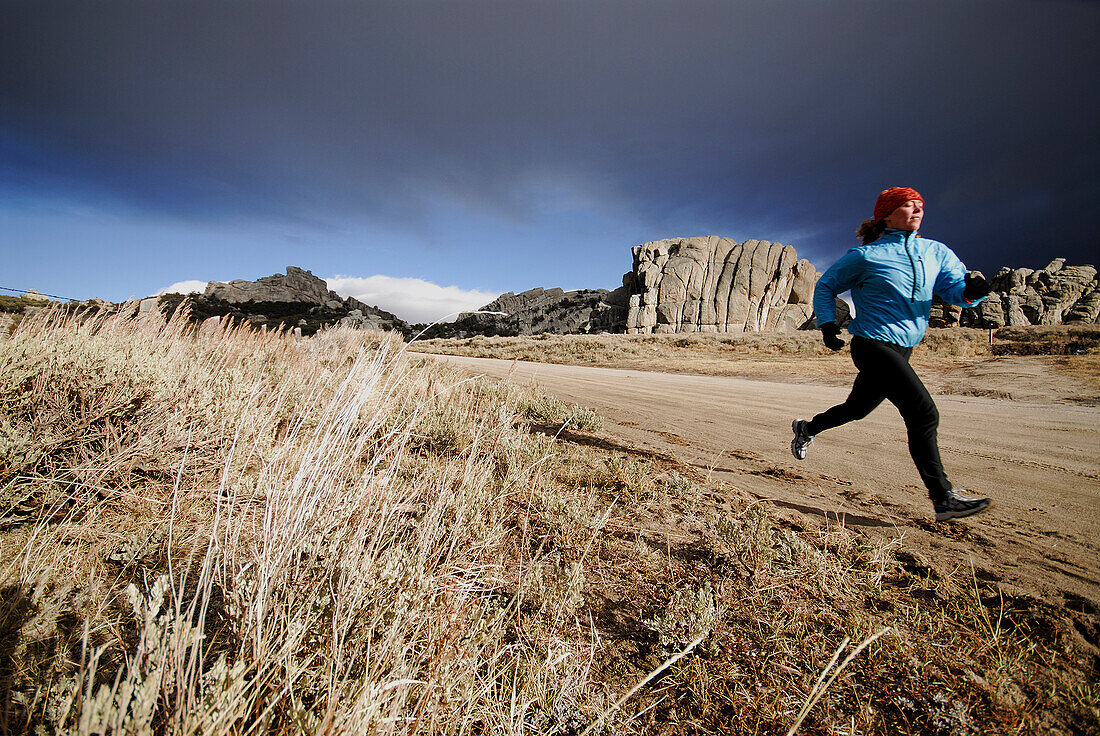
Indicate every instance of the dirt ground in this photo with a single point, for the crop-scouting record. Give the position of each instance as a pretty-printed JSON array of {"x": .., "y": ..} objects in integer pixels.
[{"x": 1014, "y": 429}]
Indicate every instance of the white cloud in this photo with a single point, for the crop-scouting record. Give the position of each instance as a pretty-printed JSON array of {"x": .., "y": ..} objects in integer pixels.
[
  {"x": 184, "y": 287},
  {"x": 413, "y": 300}
]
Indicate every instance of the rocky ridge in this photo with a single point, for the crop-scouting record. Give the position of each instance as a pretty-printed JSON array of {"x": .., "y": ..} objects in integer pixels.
[
  {"x": 715, "y": 284},
  {"x": 1055, "y": 294},
  {"x": 296, "y": 286},
  {"x": 297, "y": 300},
  {"x": 691, "y": 284},
  {"x": 537, "y": 311}
]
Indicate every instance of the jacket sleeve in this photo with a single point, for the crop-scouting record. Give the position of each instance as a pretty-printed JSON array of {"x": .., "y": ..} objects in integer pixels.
[
  {"x": 951, "y": 280},
  {"x": 841, "y": 276}
]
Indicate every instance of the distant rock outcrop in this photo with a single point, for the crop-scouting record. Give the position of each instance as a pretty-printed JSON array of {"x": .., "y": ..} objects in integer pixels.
[
  {"x": 296, "y": 286},
  {"x": 1056, "y": 294},
  {"x": 297, "y": 299},
  {"x": 548, "y": 310},
  {"x": 537, "y": 311},
  {"x": 715, "y": 284}
]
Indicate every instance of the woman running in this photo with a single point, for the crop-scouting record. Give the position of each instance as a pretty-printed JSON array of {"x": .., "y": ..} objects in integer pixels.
[{"x": 892, "y": 277}]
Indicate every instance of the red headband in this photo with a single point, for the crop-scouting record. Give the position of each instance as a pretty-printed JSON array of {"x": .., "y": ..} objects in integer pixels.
[{"x": 892, "y": 198}]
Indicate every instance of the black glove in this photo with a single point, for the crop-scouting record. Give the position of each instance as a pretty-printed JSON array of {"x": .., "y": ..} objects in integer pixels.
[
  {"x": 976, "y": 287},
  {"x": 830, "y": 334}
]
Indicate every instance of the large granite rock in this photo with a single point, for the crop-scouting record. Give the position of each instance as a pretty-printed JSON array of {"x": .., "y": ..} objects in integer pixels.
[
  {"x": 715, "y": 284},
  {"x": 1056, "y": 294},
  {"x": 1086, "y": 311}
]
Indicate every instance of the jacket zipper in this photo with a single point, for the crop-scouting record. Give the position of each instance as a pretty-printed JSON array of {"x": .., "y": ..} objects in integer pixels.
[{"x": 913, "y": 264}]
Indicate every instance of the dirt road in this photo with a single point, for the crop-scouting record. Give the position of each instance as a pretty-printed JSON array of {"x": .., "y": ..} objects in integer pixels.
[{"x": 1040, "y": 462}]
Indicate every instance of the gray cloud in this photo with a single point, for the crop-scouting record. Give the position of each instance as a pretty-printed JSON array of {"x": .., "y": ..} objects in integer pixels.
[{"x": 755, "y": 119}]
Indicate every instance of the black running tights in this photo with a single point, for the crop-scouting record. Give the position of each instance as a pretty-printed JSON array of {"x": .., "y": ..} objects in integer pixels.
[{"x": 885, "y": 373}]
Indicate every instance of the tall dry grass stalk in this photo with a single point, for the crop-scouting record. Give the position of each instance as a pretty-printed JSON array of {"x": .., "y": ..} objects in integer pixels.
[{"x": 227, "y": 531}]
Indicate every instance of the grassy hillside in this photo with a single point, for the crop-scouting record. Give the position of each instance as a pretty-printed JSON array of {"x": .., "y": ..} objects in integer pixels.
[{"x": 227, "y": 531}]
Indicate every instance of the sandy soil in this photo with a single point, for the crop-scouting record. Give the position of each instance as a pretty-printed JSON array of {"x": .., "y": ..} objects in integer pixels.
[{"x": 1028, "y": 440}]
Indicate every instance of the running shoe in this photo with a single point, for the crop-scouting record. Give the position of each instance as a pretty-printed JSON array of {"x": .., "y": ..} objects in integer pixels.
[
  {"x": 955, "y": 505},
  {"x": 802, "y": 438}
]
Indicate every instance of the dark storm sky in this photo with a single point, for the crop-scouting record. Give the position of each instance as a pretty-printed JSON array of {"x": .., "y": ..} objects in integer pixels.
[{"x": 541, "y": 139}]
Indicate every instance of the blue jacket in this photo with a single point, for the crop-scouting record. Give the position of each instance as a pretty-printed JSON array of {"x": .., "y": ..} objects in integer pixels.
[{"x": 892, "y": 281}]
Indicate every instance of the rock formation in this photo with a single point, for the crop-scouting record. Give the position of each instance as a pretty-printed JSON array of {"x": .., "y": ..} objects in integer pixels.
[
  {"x": 32, "y": 295},
  {"x": 297, "y": 285},
  {"x": 699, "y": 284},
  {"x": 547, "y": 310},
  {"x": 538, "y": 311},
  {"x": 1056, "y": 294},
  {"x": 296, "y": 300},
  {"x": 714, "y": 284},
  {"x": 703, "y": 284}
]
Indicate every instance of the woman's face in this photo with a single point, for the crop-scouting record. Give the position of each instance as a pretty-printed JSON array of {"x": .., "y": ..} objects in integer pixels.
[{"x": 906, "y": 217}]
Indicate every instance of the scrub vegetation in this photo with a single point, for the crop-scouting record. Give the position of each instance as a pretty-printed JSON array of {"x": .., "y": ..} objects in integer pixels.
[
  {"x": 771, "y": 354},
  {"x": 12, "y": 304},
  {"x": 227, "y": 531}
]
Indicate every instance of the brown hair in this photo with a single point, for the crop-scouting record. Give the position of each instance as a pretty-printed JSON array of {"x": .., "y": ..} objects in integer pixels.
[{"x": 871, "y": 230}]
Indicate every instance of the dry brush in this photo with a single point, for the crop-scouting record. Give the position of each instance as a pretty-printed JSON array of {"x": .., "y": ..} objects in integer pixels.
[{"x": 222, "y": 530}]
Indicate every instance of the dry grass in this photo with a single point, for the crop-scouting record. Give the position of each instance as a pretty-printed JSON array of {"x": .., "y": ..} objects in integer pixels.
[
  {"x": 766, "y": 355},
  {"x": 746, "y": 354},
  {"x": 228, "y": 531},
  {"x": 678, "y": 558},
  {"x": 1047, "y": 340},
  {"x": 1077, "y": 348},
  {"x": 1084, "y": 368}
]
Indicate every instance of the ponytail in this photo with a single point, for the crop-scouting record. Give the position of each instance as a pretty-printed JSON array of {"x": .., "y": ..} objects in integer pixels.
[{"x": 871, "y": 230}]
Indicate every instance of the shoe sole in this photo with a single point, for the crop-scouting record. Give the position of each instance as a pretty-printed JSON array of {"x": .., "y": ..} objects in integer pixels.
[{"x": 963, "y": 513}]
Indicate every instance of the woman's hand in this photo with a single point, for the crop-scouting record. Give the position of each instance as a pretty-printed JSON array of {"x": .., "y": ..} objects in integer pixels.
[
  {"x": 830, "y": 335},
  {"x": 976, "y": 287}
]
